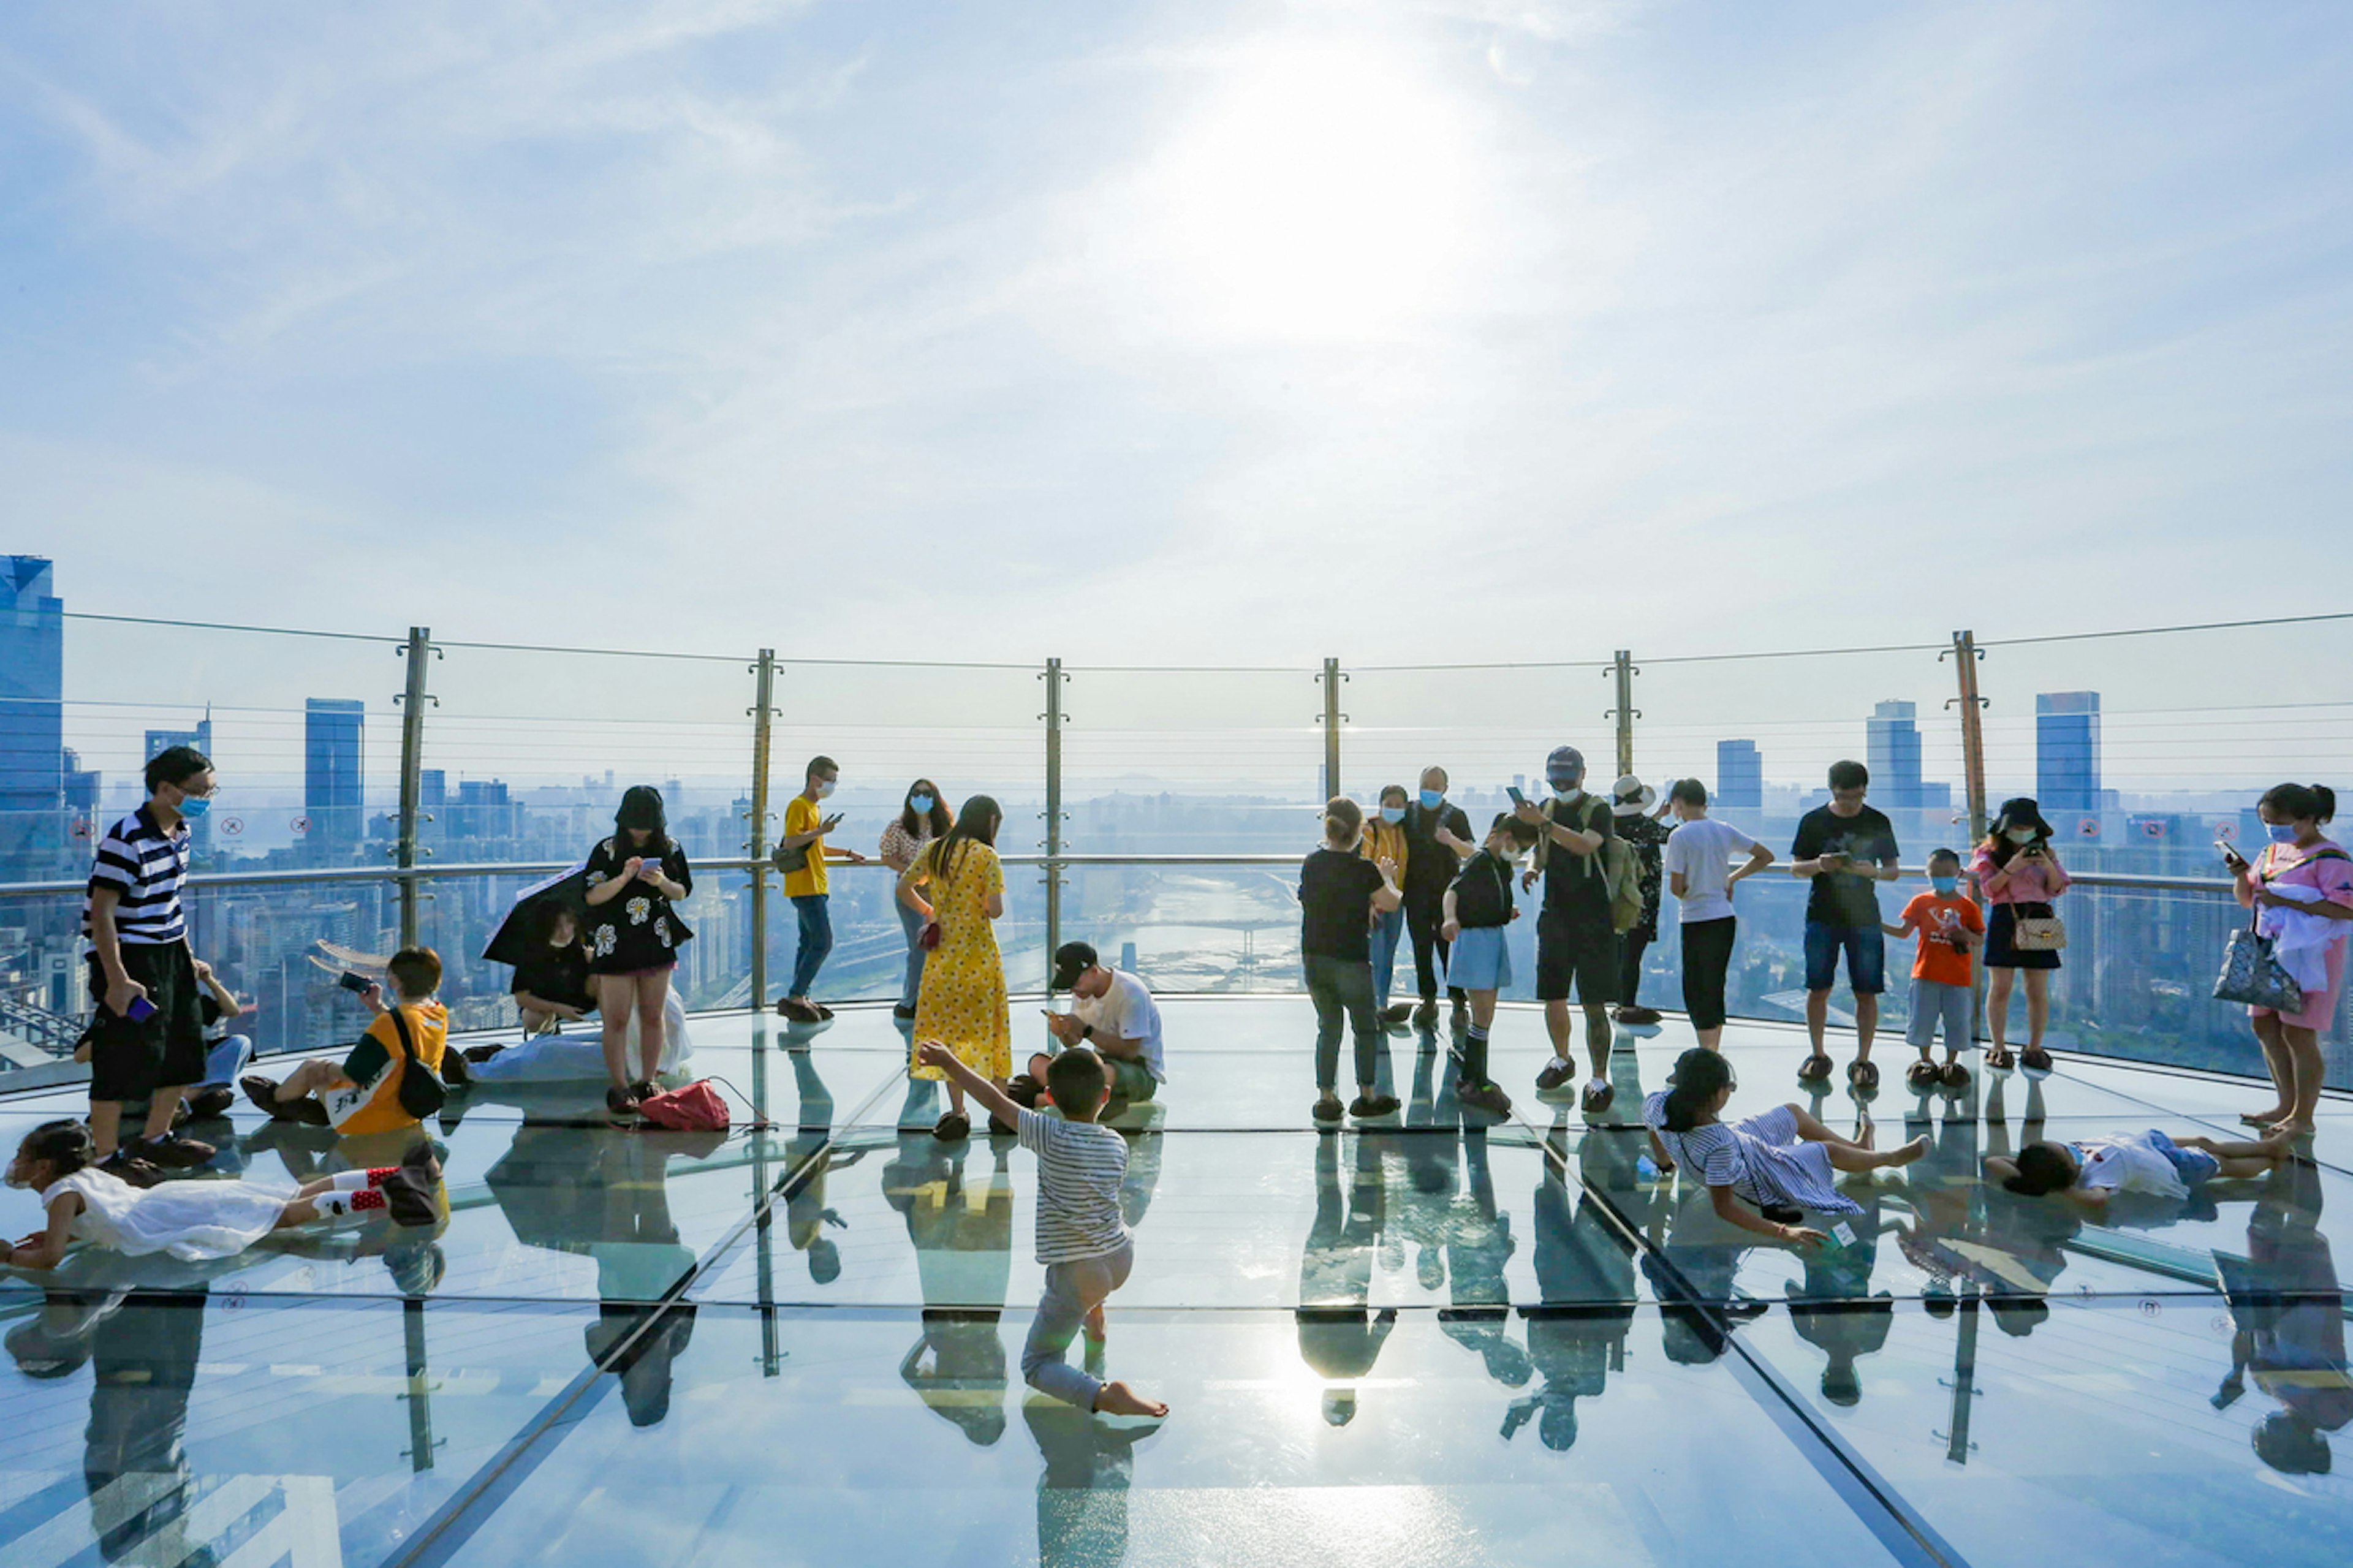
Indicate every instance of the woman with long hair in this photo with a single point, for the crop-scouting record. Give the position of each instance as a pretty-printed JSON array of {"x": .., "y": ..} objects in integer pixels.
[
  {"x": 922, "y": 818},
  {"x": 957, "y": 886},
  {"x": 634, "y": 936},
  {"x": 2019, "y": 877},
  {"x": 2300, "y": 887}
]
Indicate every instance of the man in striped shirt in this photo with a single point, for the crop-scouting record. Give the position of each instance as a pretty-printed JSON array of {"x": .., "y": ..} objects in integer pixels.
[{"x": 147, "y": 1039}]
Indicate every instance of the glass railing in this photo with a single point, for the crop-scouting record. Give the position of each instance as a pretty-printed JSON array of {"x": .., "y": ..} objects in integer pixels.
[{"x": 1185, "y": 797}]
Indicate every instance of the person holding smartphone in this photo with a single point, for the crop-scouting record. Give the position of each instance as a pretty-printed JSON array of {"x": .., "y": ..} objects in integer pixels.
[
  {"x": 147, "y": 1036},
  {"x": 805, "y": 824},
  {"x": 2301, "y": 888},
  {"x": 2018, "y": 875}
]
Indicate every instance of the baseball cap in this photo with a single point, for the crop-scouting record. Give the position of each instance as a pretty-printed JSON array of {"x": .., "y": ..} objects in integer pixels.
[
  {"x": 1072, "y": 960},
  {"x": 1565, "y": 765}
]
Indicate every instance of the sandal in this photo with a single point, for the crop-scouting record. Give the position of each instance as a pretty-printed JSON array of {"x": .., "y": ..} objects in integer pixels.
[
  {"x": 1997, "y": 1059},
  {"x": 1863, "y": 1075},
  {"x": 952, "y": 1128},
  {"x": 1924, "y": 1074},
  {"x": 1597, "y": 1096},
  {"x": 2035, "y": 1060},
  {"x": 1815, "y": 1068},
  {"x": 1955, "y": 1075}
]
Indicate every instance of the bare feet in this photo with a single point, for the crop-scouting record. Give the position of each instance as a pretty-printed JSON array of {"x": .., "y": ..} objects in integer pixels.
[
  {"x": 1118, "y": 1399},
  {"x": 1865, "y": 1132},
  {"x": 1094, "y": 1323},
  {"x": 2290, "y": 1130},
  {"x": 2267, "y": 1117},
  {"x": 1913, "y": 1151}
]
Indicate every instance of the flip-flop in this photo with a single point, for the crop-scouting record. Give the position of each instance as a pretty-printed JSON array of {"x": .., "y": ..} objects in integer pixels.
[{"x": 1999, "y": 1059}]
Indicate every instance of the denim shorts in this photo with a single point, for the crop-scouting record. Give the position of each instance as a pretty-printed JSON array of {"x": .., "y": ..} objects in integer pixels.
[
  {"x": 1479, "y": 960},
  {"x": 1866, "y": 957},
  {"x": 2194, "y": 1166}
]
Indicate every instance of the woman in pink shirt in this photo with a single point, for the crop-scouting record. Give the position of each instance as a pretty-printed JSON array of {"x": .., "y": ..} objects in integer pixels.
[
  {"x": 2297, "y": 857},
  {"x": 2018, "y": 875}
]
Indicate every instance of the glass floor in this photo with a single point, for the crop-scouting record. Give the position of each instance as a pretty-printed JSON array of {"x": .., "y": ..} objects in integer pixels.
[{"x": 1447, "y": 1339}]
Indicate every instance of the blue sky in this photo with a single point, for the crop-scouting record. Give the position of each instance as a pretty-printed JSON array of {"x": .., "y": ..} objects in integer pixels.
[{"x": 1188, "y": 332}]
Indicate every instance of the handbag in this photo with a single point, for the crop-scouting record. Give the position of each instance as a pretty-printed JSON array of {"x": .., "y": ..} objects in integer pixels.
[
  {"x": 690, "y": 1108},
  {"x": 2251, "y": 973},
  {"x": 2040, "y": 933},
  {"x": 789, "y": 860},
  {"x": 422, "y": 1092}
]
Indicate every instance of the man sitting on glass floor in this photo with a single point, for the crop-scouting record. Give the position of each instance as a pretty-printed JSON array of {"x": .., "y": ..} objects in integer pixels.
[{"x": 1110, "y": 1011}]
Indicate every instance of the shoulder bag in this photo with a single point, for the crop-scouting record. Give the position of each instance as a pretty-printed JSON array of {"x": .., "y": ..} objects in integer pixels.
[
  {"x": 2251, "y": 972},
  {"x": 422, "y": 1092},
  {"x": 2040, "y": 930}
]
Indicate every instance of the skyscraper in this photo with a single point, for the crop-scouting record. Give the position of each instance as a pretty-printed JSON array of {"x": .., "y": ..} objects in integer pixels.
[
  {"x": 332, "y": 794},
  {"x": 32, "y": 687},
  {"x": 1739, "y": 775},
  {"x": 1892, "y": 751},
  {"x": 2067, "y": 751}
]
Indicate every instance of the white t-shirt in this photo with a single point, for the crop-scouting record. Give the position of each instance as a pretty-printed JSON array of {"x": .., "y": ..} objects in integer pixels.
[
  {"x": 1127, "y": 1012},
  {"x": 1702, "y": 851}
]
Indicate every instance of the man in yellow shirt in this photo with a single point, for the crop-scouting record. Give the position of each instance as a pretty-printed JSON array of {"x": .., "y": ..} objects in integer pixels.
[{"x": 805, "y": 826}]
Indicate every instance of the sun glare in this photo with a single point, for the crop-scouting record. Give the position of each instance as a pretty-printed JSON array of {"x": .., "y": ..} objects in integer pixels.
[{"x": 1322, "y": 191}]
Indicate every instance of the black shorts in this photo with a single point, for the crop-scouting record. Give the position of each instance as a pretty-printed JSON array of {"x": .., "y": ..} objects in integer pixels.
[
  {"x": 130, "y": 1061},
  {"x": 1581, "y": 954}
]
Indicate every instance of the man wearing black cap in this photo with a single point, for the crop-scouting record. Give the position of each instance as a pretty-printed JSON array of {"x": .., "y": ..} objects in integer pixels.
[
  {"x": 1113, "y": 1011},
  {"x": 1437, "y": 838},
  {"x": 1577, "y": 946}
]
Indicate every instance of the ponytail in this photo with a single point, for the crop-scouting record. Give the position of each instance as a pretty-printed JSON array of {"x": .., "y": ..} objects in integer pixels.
[
  {"x": 2301, "y": 802},
  {"x": 67, "y": 1146},
  {"x": 1699, "y": 1077}
]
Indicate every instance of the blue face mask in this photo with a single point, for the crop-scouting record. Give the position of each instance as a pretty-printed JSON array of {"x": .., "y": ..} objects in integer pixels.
[
  {"x": 1392, "y": 813},
  {"x": 921, "y": 805},
  {"x": 1946, "y": 886},
  {"x": 195, "y": 805},
  {"x": 1431, "y": 799},
  {"x": 2281, "y": 832}
]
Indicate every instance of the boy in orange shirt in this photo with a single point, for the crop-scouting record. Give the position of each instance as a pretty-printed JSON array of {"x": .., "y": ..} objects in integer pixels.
[{"x": 1948, "y": 924}]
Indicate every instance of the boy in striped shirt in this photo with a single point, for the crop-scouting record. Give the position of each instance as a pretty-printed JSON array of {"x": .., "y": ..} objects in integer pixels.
[
  {"x": 147, "y": 1039},
  {"x": 1082, "y": 1239}
]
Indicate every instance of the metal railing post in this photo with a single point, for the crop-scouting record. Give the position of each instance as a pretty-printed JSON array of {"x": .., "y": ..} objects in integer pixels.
[
  {"x": 1622, "y": 669},
  {"x": 755, "y": 841},
  {"x": 1333, "y": 720},
  {"x": 1054, "y": 716},
  {"x": 412, "y": 775},
  {"x": 1966, "y": 654}
]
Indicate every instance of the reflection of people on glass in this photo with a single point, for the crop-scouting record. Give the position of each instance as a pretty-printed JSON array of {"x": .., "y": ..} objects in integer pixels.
[
  {"x": 2289, "y": 1313},
  {"x": 1585, "y": 1274},
  {"x": 143, "y": 1352},
  {"x": 811, "y": 1156},
  {"x": 1425, "y": 1211},
  {"x": 1337, "y": 1336},
  {"x": 1478, "y": 1245},
  {"x": 963, "y": 1236},
  {"x": 1083, "y": 1496},
  {"x": 1832, "y": 1307}
]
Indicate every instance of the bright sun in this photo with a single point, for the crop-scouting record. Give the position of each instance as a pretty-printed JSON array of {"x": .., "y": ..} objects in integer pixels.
[{"x": 1322, "y": 191}]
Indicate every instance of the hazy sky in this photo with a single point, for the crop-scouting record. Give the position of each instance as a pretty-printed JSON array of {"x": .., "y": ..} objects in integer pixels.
[{"x": 1197, "y": 332}]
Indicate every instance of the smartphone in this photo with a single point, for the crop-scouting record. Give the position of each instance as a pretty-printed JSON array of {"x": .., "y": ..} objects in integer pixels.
[
  {"x": 139, "y": 1010},
  {"x": 1514, "y": 791},
  {"x": 2231, "y": 856},
  {"x": 354, "y": 983}
]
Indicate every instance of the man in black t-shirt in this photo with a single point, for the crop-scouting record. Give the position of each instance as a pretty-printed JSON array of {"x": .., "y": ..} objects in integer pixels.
[
  {"x": 1339, "y": 892},
  {"x": 1438, "y": 837},
  {"x": 1576, "y": 947},
  {"x": 1846, "y": 848}
]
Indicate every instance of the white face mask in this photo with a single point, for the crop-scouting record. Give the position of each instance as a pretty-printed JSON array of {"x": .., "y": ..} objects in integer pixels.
[
  {"x": 825, "y": 789},
  {"x": 2020, "y": 835}
]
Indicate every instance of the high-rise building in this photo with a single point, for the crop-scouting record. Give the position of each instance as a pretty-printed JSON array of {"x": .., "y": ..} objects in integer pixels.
[
  {"x": 1892, "y": 751},
  {"x": 32, "y": 687},
  {"x": 2067, "y": 751},
  {"x": 1739, "y": 775},
  {"x": 331, "y": 792},
  {"x": 432, "y": 788}
]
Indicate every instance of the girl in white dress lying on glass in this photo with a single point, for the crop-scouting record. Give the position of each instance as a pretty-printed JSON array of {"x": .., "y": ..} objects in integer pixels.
[{"x": 196, "y": 1219}]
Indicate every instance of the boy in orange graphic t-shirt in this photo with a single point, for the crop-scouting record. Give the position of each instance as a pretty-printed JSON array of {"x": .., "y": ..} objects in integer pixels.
[{"x": 1949, "y": 925}]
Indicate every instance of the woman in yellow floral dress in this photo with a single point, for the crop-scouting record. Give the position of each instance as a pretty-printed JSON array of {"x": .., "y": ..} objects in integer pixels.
[{"x": 957, "y": 884}]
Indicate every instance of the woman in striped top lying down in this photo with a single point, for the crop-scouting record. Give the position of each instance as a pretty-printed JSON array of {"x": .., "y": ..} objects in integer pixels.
[{"x": 1781, "y": 1161}]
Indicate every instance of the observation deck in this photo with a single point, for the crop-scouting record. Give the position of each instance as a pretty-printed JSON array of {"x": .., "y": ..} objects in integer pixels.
[{"x": 1440, "y": 1337}]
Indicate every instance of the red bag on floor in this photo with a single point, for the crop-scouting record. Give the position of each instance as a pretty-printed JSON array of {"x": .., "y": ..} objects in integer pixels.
[{"x": 694, "y": 1107}]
